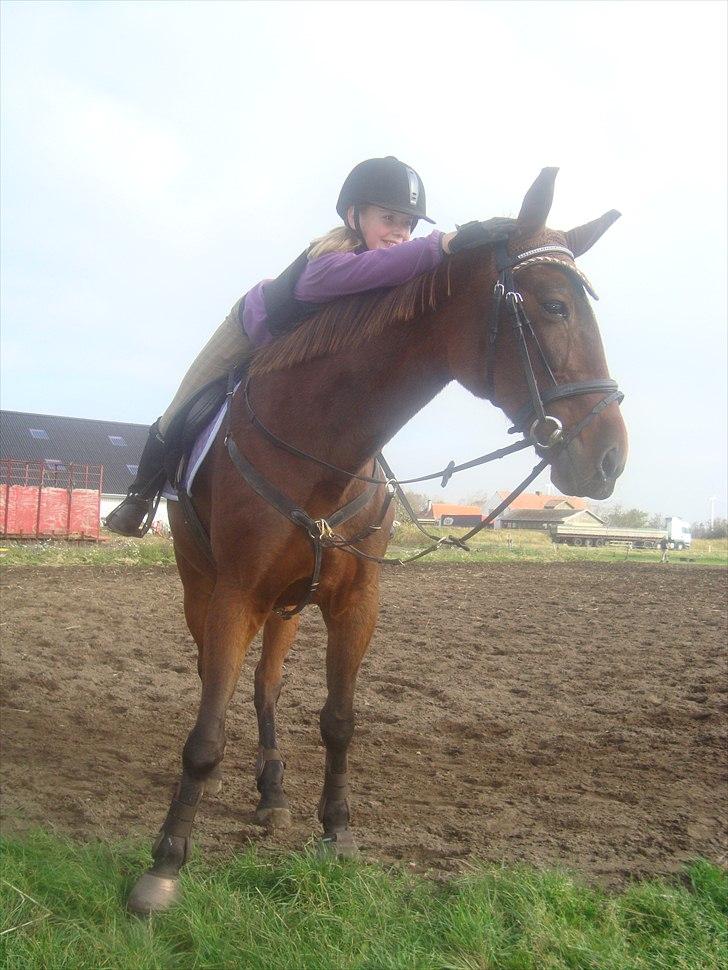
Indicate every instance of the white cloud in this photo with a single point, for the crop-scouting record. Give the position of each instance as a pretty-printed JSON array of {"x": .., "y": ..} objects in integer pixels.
[{"x": 101, "y": 138}]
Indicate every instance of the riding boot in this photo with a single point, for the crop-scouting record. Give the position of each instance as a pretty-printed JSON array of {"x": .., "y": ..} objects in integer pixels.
[{"x": 133, "y": 517}]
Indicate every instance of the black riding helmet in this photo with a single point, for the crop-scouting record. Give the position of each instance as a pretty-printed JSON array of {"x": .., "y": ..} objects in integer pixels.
[{"x": 386, "y": 182}]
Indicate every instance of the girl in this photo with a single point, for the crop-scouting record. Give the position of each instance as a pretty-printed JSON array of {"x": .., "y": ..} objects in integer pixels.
[{"x": 380, "y": 203}]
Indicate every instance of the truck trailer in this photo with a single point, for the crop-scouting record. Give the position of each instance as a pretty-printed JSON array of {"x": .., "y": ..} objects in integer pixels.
[{"x": 676, "y": 535}]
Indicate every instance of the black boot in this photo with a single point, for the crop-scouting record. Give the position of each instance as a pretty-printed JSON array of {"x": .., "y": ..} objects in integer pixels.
[{"x": 133, "y": 517}]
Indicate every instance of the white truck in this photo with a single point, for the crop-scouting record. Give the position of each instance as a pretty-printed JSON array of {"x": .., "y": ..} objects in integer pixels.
[{"x": 676, "y": 534}]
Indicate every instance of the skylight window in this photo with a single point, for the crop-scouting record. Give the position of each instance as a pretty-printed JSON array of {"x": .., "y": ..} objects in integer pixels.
[
  {"x": 117, "y": 440},
  {"x": 40, "y": 433}
]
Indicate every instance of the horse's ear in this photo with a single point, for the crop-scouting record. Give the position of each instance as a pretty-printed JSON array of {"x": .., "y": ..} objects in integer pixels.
[
  {"x": 583, "y": 237},
  {"x": 537, "y": 203}
]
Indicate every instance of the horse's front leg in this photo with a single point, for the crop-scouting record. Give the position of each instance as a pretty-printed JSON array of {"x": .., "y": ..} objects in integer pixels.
[
  {"x": 350, "y": 628},
  {"x": 278, "y": 636},
  {"x": 229, "y": 628}
]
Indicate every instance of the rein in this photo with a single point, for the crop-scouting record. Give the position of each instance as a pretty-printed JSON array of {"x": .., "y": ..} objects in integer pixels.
[{"x": 539, "y": 429}]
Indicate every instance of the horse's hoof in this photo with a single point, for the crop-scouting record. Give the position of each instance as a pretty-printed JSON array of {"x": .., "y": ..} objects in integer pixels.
[
  {"x": 341, "y": 845},
  {"x": 273, "y": 818},
  {"x": 153, "y": 894}
]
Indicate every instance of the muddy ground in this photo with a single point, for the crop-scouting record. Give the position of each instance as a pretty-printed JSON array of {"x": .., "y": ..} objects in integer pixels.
[{"x": 567, "y": 714}]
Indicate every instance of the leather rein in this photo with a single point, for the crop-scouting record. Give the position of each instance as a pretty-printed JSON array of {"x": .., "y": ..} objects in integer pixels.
[{"x": 539, "y": 429}]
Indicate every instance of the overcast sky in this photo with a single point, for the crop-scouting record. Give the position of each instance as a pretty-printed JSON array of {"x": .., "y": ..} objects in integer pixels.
[{"x": 158, "y": 159}]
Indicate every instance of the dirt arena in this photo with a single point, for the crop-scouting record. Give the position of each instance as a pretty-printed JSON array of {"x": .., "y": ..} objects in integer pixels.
[{"x": 567, "y": 714}]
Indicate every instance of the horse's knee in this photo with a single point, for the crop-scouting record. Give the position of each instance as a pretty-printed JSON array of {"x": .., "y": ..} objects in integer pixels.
[
  {"x": 337, "y": 728},
  {"x": 202, "y": 754}
]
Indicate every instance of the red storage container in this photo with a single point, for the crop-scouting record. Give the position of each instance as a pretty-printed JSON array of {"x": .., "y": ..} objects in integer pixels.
[{"x": 48, "y": 500}]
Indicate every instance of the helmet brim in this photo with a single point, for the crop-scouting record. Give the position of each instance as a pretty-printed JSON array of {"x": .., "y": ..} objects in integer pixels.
[{"x": 393, "y": 208}]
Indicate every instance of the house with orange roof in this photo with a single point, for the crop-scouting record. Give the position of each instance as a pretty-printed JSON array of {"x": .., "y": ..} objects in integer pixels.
[{"x": 536, "y": 510}]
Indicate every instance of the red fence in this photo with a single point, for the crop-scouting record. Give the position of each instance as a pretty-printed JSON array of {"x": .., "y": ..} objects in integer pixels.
[{"x": 49, "y": 499}]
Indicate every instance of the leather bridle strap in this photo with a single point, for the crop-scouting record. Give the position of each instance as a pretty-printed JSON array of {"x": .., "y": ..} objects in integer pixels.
[
  {"x": 461, "y": 541},
  {"x": 445, "y": 473},
  {"x": 533, "y": 414},
  {"x": 559, "y": 393}
]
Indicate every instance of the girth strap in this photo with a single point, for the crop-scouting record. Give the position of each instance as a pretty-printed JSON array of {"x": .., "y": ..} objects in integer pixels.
[{"x": 192, "y": 521}]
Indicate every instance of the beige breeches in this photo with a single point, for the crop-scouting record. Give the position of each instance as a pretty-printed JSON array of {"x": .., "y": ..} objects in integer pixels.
[{"x": 228, "y": 347}]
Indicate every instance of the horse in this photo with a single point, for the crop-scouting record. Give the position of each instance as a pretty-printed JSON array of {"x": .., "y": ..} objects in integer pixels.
[{"x": 336, "y": 389}]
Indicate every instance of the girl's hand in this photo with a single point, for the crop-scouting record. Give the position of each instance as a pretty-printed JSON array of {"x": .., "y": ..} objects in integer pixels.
[
  {"x": 474, "y": 234},
  {"x": 445, "y": 242}
]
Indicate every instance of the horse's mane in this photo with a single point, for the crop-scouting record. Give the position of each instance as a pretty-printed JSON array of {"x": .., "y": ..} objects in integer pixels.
[{"x": 354, "y": 320}]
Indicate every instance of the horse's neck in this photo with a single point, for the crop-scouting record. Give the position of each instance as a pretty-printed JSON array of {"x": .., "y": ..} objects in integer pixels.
[{"x": 345, "y": 408}]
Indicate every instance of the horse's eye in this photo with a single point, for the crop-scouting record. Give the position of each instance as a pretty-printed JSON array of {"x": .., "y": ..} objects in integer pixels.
[{"x": 556, "y": 307}]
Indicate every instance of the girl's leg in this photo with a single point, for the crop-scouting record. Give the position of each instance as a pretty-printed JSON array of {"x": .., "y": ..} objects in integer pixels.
[{"x": 227, "y": 348}]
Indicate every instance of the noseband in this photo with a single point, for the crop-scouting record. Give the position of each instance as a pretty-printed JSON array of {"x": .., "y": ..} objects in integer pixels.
[{"x": 532, "y": 420}]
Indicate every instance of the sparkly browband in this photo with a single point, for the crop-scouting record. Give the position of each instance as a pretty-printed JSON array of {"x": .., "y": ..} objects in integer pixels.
[{"x": 560, "y": 256}]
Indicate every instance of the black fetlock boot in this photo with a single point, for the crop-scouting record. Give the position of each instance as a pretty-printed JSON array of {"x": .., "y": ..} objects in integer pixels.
[{"x": 134, "y": 516}]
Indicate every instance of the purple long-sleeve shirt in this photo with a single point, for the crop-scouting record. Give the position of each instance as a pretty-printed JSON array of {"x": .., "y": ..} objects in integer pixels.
[{"x": 339, "y": 274}]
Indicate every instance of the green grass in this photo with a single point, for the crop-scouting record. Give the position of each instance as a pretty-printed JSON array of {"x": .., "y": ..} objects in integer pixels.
[
  {"x": 294, "y": 911},
  {"x": 505, "y": 545},
  {"x": 112, "y": 551},
  {"x": 489, "y": 546}
]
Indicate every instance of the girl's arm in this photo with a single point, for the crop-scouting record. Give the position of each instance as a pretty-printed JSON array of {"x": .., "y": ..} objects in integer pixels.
[{"x": 338, "y": 274}]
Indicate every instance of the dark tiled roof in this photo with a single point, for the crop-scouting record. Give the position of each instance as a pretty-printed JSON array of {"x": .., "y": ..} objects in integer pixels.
[{"x": 84, "y": 441}]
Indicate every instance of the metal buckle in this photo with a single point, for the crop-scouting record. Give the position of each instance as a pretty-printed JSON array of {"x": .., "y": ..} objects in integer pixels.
[
  {"x": 514, "y": 296},
  {"x": 499, "y": 289},
  {"x": 325, "y": 530},
  {"x": 554, "y": 437}
]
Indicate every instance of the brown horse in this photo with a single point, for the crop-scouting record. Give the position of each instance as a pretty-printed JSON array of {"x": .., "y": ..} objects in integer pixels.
[{"x": 340, "y": 387}]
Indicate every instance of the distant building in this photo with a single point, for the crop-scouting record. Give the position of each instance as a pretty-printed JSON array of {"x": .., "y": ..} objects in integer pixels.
[
  {"x": 534, "y": 510},
  {"x": 448, "y": 514},
  {"x": 543, "y": 518},
  {"x": 60, "y": 442}
]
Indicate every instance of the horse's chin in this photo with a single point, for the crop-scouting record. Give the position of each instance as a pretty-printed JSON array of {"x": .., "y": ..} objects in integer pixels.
[{"x": 597, "y": 488}]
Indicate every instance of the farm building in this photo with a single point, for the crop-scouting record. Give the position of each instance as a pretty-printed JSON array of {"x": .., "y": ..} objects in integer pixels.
[
  {"x": 463, "y": 515},
  {"x": 543, "y": 518},
  {"x": 534, "y": 510},
  {"x": 54, "y": 444}
]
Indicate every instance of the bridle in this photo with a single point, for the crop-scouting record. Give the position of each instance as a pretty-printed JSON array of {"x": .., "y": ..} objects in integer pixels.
[
  {"x": 532, "y": 417},
  {"x": 539, "y": 429}
]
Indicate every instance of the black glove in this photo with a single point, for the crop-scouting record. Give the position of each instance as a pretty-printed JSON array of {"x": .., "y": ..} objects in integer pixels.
[{"x": 474, "y": 234}]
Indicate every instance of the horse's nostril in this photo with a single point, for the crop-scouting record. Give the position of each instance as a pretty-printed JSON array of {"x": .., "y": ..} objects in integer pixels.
[{"x": 610, "y": 462}]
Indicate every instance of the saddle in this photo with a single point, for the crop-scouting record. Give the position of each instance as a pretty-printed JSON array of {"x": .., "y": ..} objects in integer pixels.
[{"x": 188, "y": 423}]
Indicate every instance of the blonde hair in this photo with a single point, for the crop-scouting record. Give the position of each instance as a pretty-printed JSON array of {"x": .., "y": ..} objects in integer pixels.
[{"x": 338, "y": 240}]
